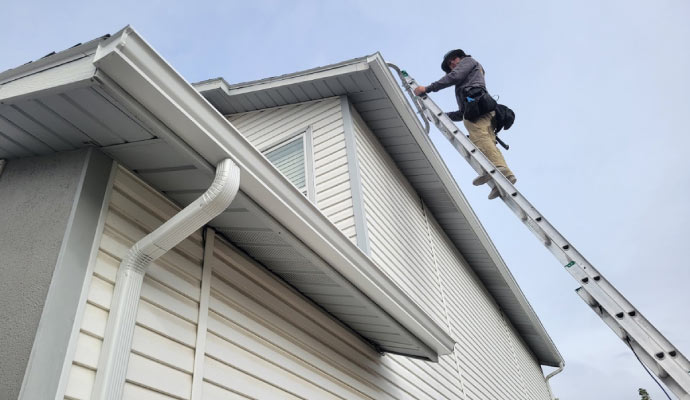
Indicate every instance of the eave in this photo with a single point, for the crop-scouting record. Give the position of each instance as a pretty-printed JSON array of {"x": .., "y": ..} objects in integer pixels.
[
  {"x": 136, "y": 87},
  {"x": 374, "y": 92}
]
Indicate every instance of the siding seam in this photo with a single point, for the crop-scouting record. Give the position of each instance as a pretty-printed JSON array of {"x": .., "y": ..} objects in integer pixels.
[
  {"x": 515, "y": 359},
  {"x": 443, "y": 296}
]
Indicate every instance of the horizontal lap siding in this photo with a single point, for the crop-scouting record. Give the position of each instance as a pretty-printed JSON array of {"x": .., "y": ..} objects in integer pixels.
[
  {"x": 266, "y": 341},
  {"x": 494, "y": 362},
  {"x": 268, "y": 127},
  {"x": 161, "y": 362},
  {"x": 396, "y": 224},
  {"x": 532, "y": 372}
]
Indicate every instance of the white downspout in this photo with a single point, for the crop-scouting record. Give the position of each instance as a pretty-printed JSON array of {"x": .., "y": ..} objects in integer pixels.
[
  {"x": 551, "y": 375},
  {"x": 117, "y": 341}
]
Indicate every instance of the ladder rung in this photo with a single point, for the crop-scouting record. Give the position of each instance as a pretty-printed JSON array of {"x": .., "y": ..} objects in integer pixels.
[{"x": 654, "y": 349}]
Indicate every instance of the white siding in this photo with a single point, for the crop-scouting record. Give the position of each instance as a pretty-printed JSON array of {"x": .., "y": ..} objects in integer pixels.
[
  {"x": 268, "y": 127},
  {"x": 264, "y": 340},
  {"x": 484, "y": 349},
  {"x": 396, "y": 225},
  {"x": 261, "y": 328},
  {"x": 160, "y": 365},
  {"x": 490, "y": 360}
]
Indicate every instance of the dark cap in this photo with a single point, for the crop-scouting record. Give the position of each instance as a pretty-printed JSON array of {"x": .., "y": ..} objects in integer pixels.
[{"x": 449, "y": 56}]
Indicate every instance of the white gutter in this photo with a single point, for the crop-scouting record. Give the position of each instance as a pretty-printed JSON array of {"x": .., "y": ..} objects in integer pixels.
[
  {"x": 117, "y": 341},
  {"x": 551, "y": 375},
  {"x": 137, "y": 70}
]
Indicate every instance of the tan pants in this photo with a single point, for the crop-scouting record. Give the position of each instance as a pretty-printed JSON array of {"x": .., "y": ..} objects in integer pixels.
[{"x": 482, "y": 135}]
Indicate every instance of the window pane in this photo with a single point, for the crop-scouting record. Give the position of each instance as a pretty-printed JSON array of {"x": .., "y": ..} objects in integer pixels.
[{"x": 289, "y": 159}]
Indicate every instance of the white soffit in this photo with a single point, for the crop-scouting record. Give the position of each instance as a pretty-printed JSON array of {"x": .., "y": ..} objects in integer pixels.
[
  {"x": 374, "y": 92},
  {"x": 119, "y": 95}
]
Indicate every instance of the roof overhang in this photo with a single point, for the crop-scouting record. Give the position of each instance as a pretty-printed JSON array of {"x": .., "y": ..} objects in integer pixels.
[
  {"x": 375, "y": 93},
  {"x": 149, "y": 118}
]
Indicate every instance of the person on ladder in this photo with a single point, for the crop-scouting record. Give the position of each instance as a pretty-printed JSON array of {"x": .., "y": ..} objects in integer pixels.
[{"x": 476, "y": 108}]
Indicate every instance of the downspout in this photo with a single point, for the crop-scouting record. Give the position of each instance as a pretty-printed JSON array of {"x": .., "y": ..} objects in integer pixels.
[
  {"x": 551, "y": 375},
  {"x": 117, "y": 341},
  {"x": 2, "y": 165}
]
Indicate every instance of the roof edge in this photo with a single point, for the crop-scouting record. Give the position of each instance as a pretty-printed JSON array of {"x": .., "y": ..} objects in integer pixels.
[
  {"x": 52, "y": 60},
  {"x": 379, "y": 67},
  {"x": 352, "y": 65},
  {"x": 132, "y": 64},
  {"x": 387, "y": 80}
]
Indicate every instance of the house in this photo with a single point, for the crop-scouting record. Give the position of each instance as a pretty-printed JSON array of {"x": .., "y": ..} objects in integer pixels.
[{"x": 323, "y": 249}]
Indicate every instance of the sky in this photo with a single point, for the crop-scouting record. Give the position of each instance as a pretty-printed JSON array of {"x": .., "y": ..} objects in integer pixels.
[{"x": 601, "y": 91}]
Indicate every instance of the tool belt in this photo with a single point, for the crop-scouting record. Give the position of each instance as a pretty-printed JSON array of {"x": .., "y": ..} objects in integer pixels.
[{"x": 476, "y": 102}]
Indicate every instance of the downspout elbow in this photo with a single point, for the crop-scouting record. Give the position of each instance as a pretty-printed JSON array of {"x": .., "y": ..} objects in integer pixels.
[
  {"x": 117, "y": 341},
  {"x": 551, "y": 375}
]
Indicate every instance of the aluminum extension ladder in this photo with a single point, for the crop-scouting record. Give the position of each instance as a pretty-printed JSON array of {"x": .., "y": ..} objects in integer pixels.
[{"x": 652, "y": 348}]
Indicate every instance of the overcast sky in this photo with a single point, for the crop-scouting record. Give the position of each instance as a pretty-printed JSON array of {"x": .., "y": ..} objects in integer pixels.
[{"x": 601, "y": 90}]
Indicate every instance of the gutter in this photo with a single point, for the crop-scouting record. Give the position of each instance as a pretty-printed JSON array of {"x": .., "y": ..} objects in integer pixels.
[
  {"x": 129, "y": 62},
  {"x": 117, "y": 341},
  {"x": 551, "y": 375}
]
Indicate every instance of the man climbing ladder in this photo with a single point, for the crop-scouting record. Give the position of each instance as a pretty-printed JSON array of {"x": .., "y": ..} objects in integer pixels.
[
  {"x": 659, "y": 356},
  {"x": 476, "y": 108}
]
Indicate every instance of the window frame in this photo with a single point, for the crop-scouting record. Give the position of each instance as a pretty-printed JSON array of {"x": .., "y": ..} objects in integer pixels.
[{"x": 306, "y": 135}]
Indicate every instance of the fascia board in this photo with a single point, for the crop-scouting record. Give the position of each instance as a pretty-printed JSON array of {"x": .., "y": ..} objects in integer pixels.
[
  {"x": 65, "y": 56},
  {"x": 269, "y": 83},
  {"x": 66, "y": 76},
  {"x": 390, "y": 86},
  {"x": 131, "y": 63}
]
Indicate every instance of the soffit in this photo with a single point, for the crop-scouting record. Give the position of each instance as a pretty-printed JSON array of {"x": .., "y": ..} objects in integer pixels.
[
  {"x": 373, "y": 92},
  {"x": 89, "y": 109}
]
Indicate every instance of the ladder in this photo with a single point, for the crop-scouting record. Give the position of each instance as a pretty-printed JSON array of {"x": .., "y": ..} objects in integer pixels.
[{"x": 651, "y": 347}]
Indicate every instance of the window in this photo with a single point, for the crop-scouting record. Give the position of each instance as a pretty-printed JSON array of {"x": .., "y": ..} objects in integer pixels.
[{"x": 293, "y": 157}]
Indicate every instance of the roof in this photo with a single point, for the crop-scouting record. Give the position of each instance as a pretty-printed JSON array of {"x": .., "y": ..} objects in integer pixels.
[
  {"x": 371, "y": 88},
  {"x": 119, "y": 95}
]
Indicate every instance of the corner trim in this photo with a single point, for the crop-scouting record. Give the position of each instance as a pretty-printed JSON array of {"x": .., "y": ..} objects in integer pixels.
[
  {"x": 309, "y": 161},
  {"x": 355, "y": 179},
  {"x": 53, "y": 342}
]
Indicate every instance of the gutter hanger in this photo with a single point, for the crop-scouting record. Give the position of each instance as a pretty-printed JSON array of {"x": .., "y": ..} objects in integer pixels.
[{"x": 117, "y": 341}]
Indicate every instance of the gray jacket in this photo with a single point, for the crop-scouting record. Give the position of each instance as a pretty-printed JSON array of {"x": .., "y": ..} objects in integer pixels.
[{"x": 468, "y": 73}]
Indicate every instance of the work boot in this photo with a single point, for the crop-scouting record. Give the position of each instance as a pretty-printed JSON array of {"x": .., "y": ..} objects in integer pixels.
[
  {"x": 481, "y": 179},
  {"x": 495, "y": 193}
]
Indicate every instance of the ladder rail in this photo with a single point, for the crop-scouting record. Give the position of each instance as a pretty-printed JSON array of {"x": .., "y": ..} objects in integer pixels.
[{"x": 655, "y": 351}]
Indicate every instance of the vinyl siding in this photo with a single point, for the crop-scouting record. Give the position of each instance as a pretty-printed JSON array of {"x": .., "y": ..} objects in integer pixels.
[
  {"x": 263, "y": 339},
  {"x": 268, "y": 127},
  {"x": 160, "y": 365},
  {"x": 396, "y": 224},
  {"x": 490, "y": 360},
  {"x": 266, "y": 341}
]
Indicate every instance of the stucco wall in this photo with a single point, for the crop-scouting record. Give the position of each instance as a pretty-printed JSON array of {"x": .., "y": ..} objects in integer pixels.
[{"x": 36, "y": 196}]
